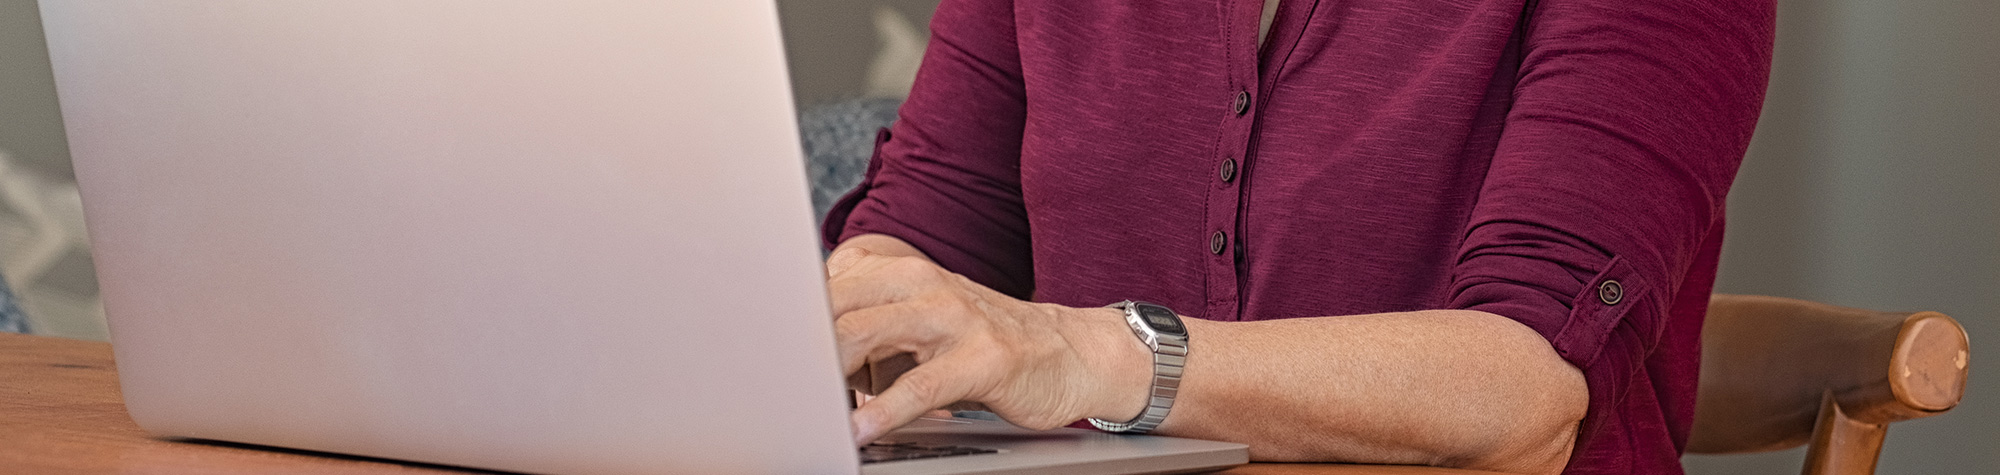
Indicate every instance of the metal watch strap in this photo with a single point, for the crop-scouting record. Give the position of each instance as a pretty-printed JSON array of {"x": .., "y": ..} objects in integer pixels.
[{"x": 1169, "y": 357}]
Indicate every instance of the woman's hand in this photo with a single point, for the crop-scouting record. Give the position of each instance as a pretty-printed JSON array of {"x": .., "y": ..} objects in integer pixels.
[{"x": 1038, "y": 366}]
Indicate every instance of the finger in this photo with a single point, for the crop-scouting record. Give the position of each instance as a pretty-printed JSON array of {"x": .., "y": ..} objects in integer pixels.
[
  {"x": 850, "y": 292},
  {"x": 875, "y": 279},
  {"x": 878, "y": 333},
  {"x": 858, "y": 260},
  {"x": 921, "y": 390},
  {"x": 844, "y": 258}
]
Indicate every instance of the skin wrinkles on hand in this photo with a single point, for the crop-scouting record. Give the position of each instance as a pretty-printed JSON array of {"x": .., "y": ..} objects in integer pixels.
[{"x": 971, "y": 344}]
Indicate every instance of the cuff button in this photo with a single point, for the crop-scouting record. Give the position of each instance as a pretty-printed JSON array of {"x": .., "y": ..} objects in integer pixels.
[{"x": 1611, "y": 292}]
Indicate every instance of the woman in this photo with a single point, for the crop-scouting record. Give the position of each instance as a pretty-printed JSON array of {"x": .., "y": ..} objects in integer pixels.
[{"x": 1467, "y": 233}]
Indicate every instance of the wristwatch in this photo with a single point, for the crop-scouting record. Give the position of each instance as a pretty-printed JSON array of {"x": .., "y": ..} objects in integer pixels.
[{"x": 1161, "y": 330}]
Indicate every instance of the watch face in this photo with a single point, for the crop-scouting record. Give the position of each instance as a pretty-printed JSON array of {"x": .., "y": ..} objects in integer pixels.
[{"x": 1161, "y": 319}]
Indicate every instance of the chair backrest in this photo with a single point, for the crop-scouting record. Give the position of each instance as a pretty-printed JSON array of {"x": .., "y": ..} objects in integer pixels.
[{"x": 1777, "y": 373}]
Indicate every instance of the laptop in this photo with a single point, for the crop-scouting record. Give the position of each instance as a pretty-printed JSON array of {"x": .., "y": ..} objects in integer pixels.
[{"x": 536, "y": 236}]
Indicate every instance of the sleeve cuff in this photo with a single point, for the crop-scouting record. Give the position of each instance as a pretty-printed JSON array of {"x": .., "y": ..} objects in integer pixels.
[{"x": 1599, "y": 307}]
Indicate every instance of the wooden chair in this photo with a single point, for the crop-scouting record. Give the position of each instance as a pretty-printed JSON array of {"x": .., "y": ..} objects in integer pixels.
[{"x": 1776, "y": 373}]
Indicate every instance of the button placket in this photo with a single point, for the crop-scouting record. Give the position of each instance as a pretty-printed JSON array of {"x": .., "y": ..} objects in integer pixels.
[{"x": 1225, "y": 203}]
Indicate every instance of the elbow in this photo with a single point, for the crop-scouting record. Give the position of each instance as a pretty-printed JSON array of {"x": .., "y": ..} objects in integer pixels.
[
  {"x": 1540, "y": 435},
  {"x": 1530, "y": 404},
  {"x": 1546, "y": 453}
]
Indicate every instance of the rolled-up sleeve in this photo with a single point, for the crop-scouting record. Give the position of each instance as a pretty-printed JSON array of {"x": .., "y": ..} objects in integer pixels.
[
  {"x": 946, "y": 177},
  {"x": 1629, "y": 122}
]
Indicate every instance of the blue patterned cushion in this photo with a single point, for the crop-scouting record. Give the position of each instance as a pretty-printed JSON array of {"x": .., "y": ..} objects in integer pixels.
[
  {"x": 11, "y": 319},
  {"x": 838, "y": 139}
]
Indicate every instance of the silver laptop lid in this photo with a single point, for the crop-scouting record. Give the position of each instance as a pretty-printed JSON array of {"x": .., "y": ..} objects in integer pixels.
[{"x": 546, "y": 236}]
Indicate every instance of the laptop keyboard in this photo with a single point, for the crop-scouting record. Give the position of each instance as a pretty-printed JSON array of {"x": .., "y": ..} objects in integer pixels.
[{"x": 887, "y": 452}]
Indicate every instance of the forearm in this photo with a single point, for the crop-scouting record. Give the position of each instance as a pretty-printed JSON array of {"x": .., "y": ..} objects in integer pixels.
[{"x": 1443, "y": 387}]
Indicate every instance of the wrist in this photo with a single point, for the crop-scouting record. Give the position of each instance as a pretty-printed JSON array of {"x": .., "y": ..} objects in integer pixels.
[{"x": 1118, "y": 363}]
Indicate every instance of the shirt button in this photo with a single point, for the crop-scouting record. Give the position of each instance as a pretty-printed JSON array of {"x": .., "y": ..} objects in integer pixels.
[
  {"x": 1242, "y": 102},
  {"x": 1611, "y": 292},
  {"x": 1228, "y": 171},
  {"x": 1216, "y": 242}
]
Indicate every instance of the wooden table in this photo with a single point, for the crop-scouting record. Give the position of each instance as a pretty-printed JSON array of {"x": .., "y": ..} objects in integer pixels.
[{"x": 61, "y": 412}]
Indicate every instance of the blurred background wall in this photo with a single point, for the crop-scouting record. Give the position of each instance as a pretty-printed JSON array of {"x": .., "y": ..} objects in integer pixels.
[
  {"x": 1874, "y": 180},
  {"x": 30, "y": 125},
  {"x": 43, "y": 250}
]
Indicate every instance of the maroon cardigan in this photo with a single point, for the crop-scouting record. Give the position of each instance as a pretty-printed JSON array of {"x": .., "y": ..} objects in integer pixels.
[{"x": 1562, "y": 163}]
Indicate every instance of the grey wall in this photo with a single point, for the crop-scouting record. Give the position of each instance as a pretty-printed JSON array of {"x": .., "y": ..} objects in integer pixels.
[
  {"x": 30, "y": 124},
  {"x": 831, "y": 42}
]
